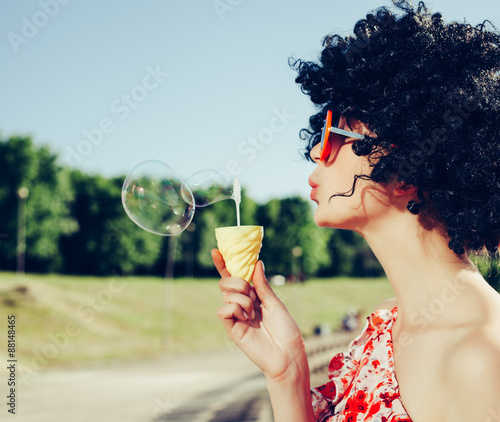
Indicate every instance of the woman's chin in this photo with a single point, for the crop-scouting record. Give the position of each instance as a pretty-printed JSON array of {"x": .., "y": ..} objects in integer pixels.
[{"x": 322, "y": 219}]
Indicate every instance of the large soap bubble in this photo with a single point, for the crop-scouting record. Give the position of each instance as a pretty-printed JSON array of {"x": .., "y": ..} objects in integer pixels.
[{"x": 157, "y": 200}]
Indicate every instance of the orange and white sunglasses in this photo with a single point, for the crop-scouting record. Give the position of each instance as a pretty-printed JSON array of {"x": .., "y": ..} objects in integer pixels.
[
  {"x": 334, "y": 143},
  {"x": 331, "y": 144}
]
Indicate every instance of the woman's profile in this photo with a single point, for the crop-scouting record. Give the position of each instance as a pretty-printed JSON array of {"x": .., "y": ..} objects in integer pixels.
[{"x": 406, "y": 148}]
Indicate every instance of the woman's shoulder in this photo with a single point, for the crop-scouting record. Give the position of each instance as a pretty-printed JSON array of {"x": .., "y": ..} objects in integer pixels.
[
  {"x": 380, "y": 318},
  {"x": 472, "y": 370},
  {"x": 387, "y": 304}
]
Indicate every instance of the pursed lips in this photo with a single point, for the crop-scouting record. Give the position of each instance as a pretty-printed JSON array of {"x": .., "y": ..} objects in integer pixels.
[{"x": 314, "y": 188}]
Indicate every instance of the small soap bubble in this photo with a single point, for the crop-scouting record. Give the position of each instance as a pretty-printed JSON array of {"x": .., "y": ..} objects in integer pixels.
[
  {"x": 157, "y": 200},
  {"x": 209, "y": 186}
]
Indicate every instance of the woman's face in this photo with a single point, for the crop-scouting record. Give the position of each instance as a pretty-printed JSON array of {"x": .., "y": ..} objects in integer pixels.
[{"x": 336, "y": 175}]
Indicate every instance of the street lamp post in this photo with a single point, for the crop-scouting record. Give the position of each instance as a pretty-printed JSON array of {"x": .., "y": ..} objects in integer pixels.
[
  {"x": 22, "y": 194},
  {"x": 169, "y": 293}
]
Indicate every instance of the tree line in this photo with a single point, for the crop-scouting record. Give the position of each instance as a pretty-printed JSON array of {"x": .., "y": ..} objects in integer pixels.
[{"x": 75, "y": 224}]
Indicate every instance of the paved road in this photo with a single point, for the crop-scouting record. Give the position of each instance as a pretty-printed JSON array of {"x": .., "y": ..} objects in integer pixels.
[
  {"x": 221, "y": 386},
  {"x": 168, "y": 389}
]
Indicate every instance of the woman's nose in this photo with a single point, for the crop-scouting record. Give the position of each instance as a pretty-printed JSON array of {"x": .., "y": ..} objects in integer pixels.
[{"x": 315, "y": 153}]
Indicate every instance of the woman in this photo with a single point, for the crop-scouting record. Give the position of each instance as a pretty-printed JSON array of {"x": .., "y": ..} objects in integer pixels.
[{"x": 417, "y": 174}]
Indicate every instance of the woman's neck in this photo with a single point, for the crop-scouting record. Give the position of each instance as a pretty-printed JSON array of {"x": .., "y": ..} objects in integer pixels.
[{"x": 430, "y": 281}]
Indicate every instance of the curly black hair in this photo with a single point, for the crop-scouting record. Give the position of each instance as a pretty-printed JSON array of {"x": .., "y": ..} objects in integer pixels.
[{"x": 429, "y": 90}]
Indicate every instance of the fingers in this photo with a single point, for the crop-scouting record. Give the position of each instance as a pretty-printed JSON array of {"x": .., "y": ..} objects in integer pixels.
[
  {"x": 238, "y": 285},
  {"x": 238, "y": 295},
  {"x": 219, "y": 263},
  {"x": 244, "y": 303},
  {"x": 227, "y": 315},
  {"x": 231, "y": 311},
  {"x": 238, "y": 291},
  {"x": 261, "y": 285}
]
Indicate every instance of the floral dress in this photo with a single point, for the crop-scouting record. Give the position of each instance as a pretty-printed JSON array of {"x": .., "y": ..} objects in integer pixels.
[{"x": 363, "y": 385}]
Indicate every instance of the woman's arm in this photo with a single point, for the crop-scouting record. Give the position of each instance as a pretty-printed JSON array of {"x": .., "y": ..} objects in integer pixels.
[
  {"x": 261, "y": 326},
  {"x": 291, "y": 395}
]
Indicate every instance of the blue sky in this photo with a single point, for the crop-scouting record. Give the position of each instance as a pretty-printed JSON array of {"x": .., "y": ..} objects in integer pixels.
[{"x": 198, "y": 84}]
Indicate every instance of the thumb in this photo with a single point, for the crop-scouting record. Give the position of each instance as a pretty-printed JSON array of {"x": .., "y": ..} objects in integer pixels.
[{"x": 260, "y": 283}]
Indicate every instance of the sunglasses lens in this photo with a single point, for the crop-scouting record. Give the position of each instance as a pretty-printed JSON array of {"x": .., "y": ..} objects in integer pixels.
[
  {"x": 323, "y": 140},
  {"x": 325, "y": 144}
]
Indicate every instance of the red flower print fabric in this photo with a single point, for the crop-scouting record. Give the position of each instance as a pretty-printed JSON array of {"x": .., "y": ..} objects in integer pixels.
[{"x": 363, "y": 385}]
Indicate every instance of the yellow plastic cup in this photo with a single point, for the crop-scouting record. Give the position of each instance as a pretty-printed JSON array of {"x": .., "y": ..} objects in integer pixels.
[{"x": 240, "y": 247}]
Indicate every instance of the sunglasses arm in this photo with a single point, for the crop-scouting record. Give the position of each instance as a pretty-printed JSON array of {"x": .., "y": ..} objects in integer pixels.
[{"x": 346, "y": 133}]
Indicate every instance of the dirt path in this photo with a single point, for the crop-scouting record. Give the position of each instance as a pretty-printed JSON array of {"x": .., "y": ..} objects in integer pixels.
[
  {"x": 161, "y": 389},
  {"x": 222, "y": 386}
]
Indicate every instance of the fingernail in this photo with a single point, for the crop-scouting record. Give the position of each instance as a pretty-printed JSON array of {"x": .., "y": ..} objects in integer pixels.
[
  {"x": 253, "y": 315},
  {"x": 263, "y": 266},
  {"x": 245, "y": 315}
]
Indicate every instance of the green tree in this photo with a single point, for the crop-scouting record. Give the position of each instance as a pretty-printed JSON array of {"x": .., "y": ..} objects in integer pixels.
[
  {"x": 489, "y": 268},
  {"x": 314, "y": 243},
  {"x": 351, "y": 256},
  {"x": 207, "y": 219},
  {"x": 107, "y": 241},
  {"x": 22, "y": 164},
  {"x": 292, "y": 244}
]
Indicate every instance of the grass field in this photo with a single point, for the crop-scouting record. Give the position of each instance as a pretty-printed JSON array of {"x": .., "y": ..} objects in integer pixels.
[{"x": 63, "y": 320}]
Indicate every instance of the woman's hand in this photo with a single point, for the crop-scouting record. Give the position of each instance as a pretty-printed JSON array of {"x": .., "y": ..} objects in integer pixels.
[{"x": 259, "y": 323}]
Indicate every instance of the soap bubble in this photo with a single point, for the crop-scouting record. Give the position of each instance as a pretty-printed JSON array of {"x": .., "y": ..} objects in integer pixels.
[
  {"x": 208, "y": 186},
  {"x": 157, "y": 200}
]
